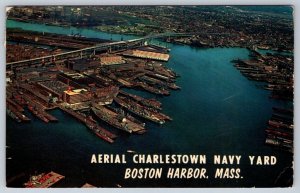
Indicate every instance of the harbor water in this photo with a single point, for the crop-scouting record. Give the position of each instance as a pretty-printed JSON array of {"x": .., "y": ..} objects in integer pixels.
[{"x": 217, "y": 112}]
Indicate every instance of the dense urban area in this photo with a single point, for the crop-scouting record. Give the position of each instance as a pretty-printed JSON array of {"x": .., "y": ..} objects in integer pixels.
[{"x": 213, "y": 26}]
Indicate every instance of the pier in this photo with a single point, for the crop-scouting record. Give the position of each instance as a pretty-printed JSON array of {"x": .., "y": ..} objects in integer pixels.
[{"x": 44, "y": 180}]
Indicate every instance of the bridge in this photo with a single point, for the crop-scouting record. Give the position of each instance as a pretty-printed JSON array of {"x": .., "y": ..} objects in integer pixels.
[{"x": 98, "y": 47}]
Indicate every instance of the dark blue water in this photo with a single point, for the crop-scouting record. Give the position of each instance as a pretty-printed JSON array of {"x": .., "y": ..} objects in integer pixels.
[
  {"x": 66, "y": 30},
  {"x": 218, "y": 111}
]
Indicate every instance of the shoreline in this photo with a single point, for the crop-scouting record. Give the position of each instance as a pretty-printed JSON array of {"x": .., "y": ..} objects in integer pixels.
[{"x": 139, "y": 35}]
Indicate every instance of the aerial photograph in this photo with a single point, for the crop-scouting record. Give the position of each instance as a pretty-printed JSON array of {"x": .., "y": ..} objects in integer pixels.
[{"x": 149, "y": 96}]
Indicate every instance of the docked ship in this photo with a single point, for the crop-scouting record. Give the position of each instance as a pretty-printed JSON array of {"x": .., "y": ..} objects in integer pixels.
[
  {"x": 37, "y": 114},
  {"x": 117, "y": 120},
  {"x": 278, "y": 124},
  {"x": 147, "y": 102},
  {"x": 141, "y": 111},
  {"x": 12, "y": 115},
  {"x": 15, "y": 111},
  {"x": 152, "y": 89},
  {"x": 99, "y": 131}
]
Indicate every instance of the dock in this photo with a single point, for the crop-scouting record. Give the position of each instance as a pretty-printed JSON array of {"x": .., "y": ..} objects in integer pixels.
[
  {"x": 44, "y": 180},
  {"x": 280, "y": 130},
  {"x": 86, "y": 83}
]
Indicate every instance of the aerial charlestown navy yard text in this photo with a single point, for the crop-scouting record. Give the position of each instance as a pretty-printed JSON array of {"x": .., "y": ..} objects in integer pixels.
[
  {"x": 226, "y": 165},
  {"x": 149, "y": 96}
]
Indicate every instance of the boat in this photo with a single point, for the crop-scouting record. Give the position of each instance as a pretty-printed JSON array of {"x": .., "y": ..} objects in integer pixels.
[
  {"x": 38, "y": 114},
  {"x": 99, "y": 133},
  {"x": 280, "y": 124},
  {"x": 147, "y": 102},
  {"x": 117, "y": 120},
  {"x": 104, "y": 137},
  {"x": 140, "y": 110}
]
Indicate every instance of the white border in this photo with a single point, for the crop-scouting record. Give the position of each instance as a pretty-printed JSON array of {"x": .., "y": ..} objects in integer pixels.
[{"x": 5, "y": 3}]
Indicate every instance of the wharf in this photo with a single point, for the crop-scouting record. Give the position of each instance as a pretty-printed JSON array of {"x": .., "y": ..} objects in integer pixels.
[
  {"x": 44, "y": 180},
  {"x": 147, "y": 55},
  {"x": 70, "y": 81},
  {"x": 269, "y": 68},
  {"x": 61, "y": 42},
  {"x": 280, "y": 130}
]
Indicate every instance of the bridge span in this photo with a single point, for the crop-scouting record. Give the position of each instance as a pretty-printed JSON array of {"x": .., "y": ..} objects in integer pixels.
[{"x": 98, "y": 47}]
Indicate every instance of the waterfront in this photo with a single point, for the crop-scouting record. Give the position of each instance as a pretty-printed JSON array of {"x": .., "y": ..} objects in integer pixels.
[{"x": 218, "y": 111}]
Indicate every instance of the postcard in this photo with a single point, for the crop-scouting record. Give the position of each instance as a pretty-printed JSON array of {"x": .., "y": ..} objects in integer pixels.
[{"x": 149, "y": 96}]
